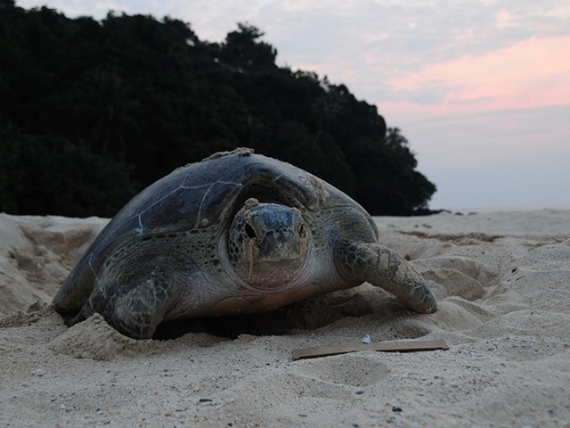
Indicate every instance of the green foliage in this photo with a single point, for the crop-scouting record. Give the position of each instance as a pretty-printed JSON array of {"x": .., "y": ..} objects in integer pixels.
[
  {"x": 91, "y": 112},
  {"x": 10, "y": 174},
  {"x": 48, "y": 174}
]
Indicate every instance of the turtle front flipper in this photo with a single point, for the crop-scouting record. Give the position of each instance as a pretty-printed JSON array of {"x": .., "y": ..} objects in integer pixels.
[
  {"x": 134, "y": 309},
  {"x": 138, "y": 312},
  {"x": 382, "y": 267}
]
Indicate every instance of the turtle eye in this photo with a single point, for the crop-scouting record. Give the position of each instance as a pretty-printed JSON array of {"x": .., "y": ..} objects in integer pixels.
[
  {"x": 249, "y": 231},
  {"x": 301, "y": 230}
]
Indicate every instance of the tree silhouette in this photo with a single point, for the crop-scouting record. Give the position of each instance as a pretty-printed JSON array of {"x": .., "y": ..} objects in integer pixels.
[
  {"x": 91, "y": 112},
  {"x": 244, "y": 51},
  {"x": 108, "y": 110}
]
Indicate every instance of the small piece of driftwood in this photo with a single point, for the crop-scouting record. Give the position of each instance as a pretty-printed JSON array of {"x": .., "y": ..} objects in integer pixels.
[{"x": 409, "y": 346}]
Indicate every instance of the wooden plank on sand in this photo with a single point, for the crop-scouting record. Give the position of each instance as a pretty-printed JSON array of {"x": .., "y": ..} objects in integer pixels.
[{"x": 409, "y": 346}]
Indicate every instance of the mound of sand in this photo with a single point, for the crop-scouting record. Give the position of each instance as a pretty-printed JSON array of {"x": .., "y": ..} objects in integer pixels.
[{"x": 504, "y": 310}]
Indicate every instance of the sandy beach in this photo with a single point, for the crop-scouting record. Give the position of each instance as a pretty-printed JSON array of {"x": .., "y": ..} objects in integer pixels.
[{"x": 503, "y": 308}]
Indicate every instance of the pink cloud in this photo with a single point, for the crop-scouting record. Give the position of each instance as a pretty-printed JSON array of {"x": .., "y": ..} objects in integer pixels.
[{"x": 531, "y": 73}]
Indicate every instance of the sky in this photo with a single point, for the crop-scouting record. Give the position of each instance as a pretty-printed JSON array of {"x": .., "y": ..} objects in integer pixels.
[{"x": 480, "y": 88}]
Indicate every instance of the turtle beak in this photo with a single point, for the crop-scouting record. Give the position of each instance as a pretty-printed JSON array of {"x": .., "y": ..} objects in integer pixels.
[{"x": 280, "y": 244}]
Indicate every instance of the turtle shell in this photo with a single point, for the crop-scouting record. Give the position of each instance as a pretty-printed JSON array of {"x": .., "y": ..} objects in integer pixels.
[{"x": 205, "y": 194}]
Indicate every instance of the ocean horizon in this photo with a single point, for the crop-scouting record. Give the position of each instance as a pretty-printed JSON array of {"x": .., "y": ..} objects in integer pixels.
[{"x": 489, "y": 209}]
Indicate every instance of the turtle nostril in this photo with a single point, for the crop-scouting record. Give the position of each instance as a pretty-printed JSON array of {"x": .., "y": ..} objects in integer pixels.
[
  {"x": 281, "y": 234},
  {"x": 249, "y": 231}
]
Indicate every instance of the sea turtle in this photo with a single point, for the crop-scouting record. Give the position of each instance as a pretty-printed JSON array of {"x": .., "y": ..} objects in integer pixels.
[{"x": 235, "y": 233}]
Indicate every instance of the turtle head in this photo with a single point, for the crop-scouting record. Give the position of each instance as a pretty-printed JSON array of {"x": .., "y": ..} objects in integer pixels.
[{"x": 267, "y": 243}]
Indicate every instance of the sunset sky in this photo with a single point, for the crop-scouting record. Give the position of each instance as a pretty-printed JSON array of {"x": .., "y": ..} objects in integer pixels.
[{"x": 481, "y": 89}]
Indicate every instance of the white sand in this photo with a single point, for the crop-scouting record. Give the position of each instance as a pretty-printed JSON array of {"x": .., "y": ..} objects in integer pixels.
[{"x": 504, "y": 309}]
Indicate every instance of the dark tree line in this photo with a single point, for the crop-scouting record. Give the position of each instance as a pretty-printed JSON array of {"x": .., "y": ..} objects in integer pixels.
[{"x": 91, "y": 112}]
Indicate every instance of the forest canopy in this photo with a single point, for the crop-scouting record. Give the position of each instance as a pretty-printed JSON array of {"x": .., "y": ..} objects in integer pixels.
[{"x": 91, "y": 112}]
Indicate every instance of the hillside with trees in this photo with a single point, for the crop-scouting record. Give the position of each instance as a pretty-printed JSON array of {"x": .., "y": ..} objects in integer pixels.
[{"x": 91, "y": 112}]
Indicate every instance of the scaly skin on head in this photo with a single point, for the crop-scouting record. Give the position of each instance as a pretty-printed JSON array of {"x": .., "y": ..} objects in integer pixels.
[{"x": 267, "y": 244}]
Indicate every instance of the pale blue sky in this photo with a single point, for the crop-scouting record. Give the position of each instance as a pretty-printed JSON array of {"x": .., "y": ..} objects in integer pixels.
[{"x": 481, "y": 89}]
